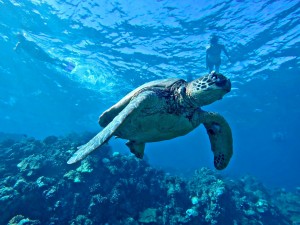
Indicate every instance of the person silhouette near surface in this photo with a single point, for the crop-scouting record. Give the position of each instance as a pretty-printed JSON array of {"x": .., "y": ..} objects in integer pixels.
[
  {"x": 39, "y": 53},
  {"x": 213, "y": 54}
]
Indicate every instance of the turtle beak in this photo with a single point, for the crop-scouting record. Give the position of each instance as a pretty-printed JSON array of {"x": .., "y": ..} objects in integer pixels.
[
  {"x": 228, "y": 85},
  {"x": 224, "y": 83}
]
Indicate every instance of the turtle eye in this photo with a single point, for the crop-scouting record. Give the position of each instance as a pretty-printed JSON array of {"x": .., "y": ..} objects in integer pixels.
[{"x": 214, "y": 76}]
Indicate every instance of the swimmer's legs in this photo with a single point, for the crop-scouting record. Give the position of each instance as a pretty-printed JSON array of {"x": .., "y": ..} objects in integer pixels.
[
  {"x": 210, "y": 67},
  {"x": 217, "y": 66}
]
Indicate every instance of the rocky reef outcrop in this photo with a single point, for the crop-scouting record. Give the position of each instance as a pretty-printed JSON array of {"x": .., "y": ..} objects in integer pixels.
[{"x": 108, "y": 188}]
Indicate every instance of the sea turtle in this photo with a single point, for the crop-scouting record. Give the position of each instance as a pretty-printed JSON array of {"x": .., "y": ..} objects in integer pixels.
[{"x": 165, "y": 109}]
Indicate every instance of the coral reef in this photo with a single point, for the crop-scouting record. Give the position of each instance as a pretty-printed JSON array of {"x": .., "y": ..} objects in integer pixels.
[
  {"x": 108, "y": 188},
  {"x": 288, "y": 203}
]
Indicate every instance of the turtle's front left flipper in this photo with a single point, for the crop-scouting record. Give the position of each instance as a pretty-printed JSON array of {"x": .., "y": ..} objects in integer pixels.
[
  {"x": 104, "y": 135},
  {"x": 220, "y": 136}
]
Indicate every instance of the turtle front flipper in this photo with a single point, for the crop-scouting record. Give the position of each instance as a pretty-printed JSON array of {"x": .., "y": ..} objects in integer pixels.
[
  {"x": 104, "y": 135},
  {"x": 220, "y": 137}
]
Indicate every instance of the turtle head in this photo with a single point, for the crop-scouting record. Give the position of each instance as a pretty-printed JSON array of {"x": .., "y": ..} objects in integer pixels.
[{"x": 207, "y": 89}]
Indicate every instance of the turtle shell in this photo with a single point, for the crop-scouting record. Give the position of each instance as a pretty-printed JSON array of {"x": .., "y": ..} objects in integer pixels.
[{"x": 113, "y": 111}]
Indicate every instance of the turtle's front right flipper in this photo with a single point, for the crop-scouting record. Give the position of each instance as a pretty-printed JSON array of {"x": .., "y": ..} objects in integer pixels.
[
  {"x": 104, "y": 135},
  {"x": 220, "y": 137}
]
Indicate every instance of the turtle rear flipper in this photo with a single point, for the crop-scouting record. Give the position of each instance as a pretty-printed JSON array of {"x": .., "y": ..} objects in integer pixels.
[
  {"x": 104, "y": 135},
  {"x": 136, "y": 148}
]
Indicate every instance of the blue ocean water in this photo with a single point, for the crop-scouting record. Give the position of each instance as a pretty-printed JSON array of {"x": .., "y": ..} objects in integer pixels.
[{"x": 64, "y": 62}]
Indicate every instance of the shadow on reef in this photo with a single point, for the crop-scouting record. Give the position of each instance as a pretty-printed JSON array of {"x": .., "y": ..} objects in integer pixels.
[{"x": 107, "y": 188}]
